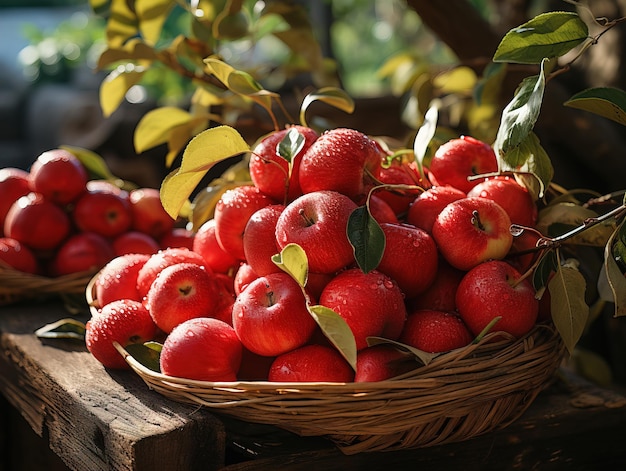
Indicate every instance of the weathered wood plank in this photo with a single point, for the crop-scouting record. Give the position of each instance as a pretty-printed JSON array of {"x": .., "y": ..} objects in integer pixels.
[{"x": 97, "y": 419}]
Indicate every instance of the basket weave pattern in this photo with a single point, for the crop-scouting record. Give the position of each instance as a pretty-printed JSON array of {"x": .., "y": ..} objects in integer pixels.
[{"x": 459, "y": 395}]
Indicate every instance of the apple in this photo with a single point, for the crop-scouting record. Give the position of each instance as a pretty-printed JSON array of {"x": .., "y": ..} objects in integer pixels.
[
  {"x": 37, "y": 222},
  {"x": 381, "y": 362},
  {"x": 177, "y": 237},
  {"x": 125, "y": 322},
  {"x": 14, "y": 183},
  {"x": 410, "y": 258},
  {"x": 148, "y": 213},
  {"x": 435, "y": 331},
  {"x": 380, "y": 209},
  {"x": 243, "y": 277},
  {"x": 232, "y": 212},
  {"x": 118, "y": 279},
  {"x": 254, "y": 367},
  {"x": 182, "y": 291},
  {"x": 18, "y": 256},
  {"x": 458, "y": 159},
  {"x": 259, "y": 239},
  {"x": 395, "y": 174},
  {"x": 471, "y": 230},
  {"x": 440, "y": 294},
  {"x": 514, "y": 198},
  {"x": 371, "y": 303},
  {"x": 427, "y": 205},
  {"x": 271, "y": 316},
  {"x": 135, "y": 242},
  {"x": 59, "y": 176},
  {"x": 269, "y": 170},
  {"x": 494, "y": 289},
  {"x": 342, "y": 160},
  {"x": 205, "y": 243},
  {"x": 162, "y": 259},
  {"x": 106, "y": 186},
  {"x": 311, "y": 363},
  {"x": 104, "y": 213},
  {"x": 82, "y": 252},
  {"x": 523, "y": 250},
  {"x": 317, "y": 222},
  {"x": 202, "y": 349}
]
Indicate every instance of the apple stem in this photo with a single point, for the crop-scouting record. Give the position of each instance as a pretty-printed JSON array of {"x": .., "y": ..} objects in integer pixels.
[
  {"x": 307, "y": 219},
  {"x": 476, "y": 220}
]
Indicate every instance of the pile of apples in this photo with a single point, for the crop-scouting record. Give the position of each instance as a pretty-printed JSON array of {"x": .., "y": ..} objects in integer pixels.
[
  {"x": 225, "y": 311},
  {"x": 56, "y": 221}
]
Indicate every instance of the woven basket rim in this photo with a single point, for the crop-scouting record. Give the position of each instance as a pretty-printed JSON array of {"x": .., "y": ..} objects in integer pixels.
[{"x": 16, "y": 283}]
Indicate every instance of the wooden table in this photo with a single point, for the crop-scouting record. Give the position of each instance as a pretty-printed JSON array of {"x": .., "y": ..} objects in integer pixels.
[{"x": 95, "y": 419}]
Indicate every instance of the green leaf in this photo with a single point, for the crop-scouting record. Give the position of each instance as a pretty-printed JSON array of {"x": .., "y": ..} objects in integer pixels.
[
  {"x": 62, "y": 329},
  {"x": 367, "y": 239},
  {"x": 544, "y": 271},
  {"x": 614, "y": 276},
  {"x": 337, "y": 331},
  {"x": 152, "y": 15},
  {"x": 96, "y": 166},
  {"x": 547, "y": 35},
  {"x": 131, "y": 51},
  {"x": 201, "y": 154},
  {"x": 567, "y": 304},
  {"x": 520, "y": 115},
  {"x": 425, "y": 134},
  {"x": 290, "y": 145},
  {"x": 424, "y": 357},
  {"x": 292, "y": 260},
  {"x": 331, "y": 96},
  {"x": 114, "y": 87},
  {"x": 604, "y": 101},
  {"x": 460, "y": 79},
  {"x": 147, "y": 354}
]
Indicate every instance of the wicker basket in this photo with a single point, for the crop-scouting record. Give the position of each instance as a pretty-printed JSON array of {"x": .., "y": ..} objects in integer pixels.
[
  {"x": 459, "y": 395},
  {"x": 16, "y": 285}
]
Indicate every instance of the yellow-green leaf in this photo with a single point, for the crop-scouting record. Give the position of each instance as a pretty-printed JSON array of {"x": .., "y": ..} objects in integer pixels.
[
  {"x": 67, "y": 328},
  {"x": 154, "y": 127},
  {"x": 457, "y": 80},
  {"x": 567, "y": 304},
  {"x": 330, "y": 95},
  {"x": 205, "y": 150},
  {"x": 612, "y": 274},
  {"x": 131, "y": 51},
  {"x": 424, "y": 357},
  {"x": 152, "y": 15},
  {"x": 292, "y": 260},
  {"x": 337, "y": 331},
  {"x": 94, "y": 163},
  {"x": 122, "y": 23},
  {"x": 205, "y": 201},
  {"x": 605, "y": 101},
  {"x": 114, "y": 87}
]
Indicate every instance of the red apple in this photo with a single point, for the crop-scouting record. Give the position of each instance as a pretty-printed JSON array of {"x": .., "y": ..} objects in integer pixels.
[
  {"x": 426, "y": 207},
  {"x": 181, "y": 292},
  {"x": 125, "y": 322},
  {"x": 471, "y": 230},
  {"x": 396, "y": 174},
  {"x": 259, "y": 239},
  {"x": 18, "y": 256},
  {"x": 14, "y": 183},
  {"x": 243, "y": 277},
  {"x": 203, "y": 349},
  {"x": 118, "y": 279},
  {"x": 135, "y": 242},
  {"x": 311, "y": 363},
  {"x": 440, "y": 294},
  {"x": 254, "y": 367},
  {"x": 159, "y": 261},
  {"x": 232, "y": 212},
  {"x": 104, "y": 213},
  {"x": 460, "y": 158},
  {"x": 105, "y": 186},
  {"x": 37, "y": 222},
  {"x": 82, "y": 252},
  {"x": 380, "y": 210},
  {"x": 177, "y": 237},
  {"x": 381, "y": 362},
  {"x": 269, "y": 169},
  {"x": 514, "y": 198},
  {"x": 410, "y": 257},
  {"x": 342, "y": 160},
  {"x": 149, "y": 216},
  {"x": 317, "y": 222},
  {"x": 271, "y": 317},
  {"x": 435, "y": 331},
  {"x": 370, "y": 303},
  {"x": 59, "y": 176},
  {"x": 494, "y": 289},
  {"x": 205, "y": 243}
]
